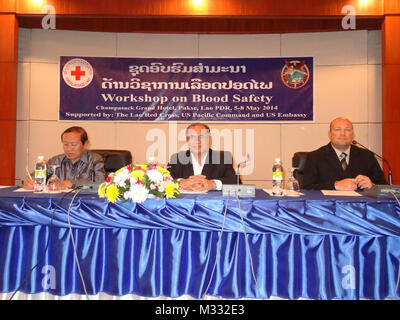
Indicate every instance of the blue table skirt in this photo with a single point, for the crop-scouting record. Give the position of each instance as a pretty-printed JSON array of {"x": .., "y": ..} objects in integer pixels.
[{"x": 312, "y": 247}]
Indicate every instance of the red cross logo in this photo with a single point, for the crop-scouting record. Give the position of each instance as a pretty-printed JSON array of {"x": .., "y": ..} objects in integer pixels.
[{"x": 77, "y": 73}]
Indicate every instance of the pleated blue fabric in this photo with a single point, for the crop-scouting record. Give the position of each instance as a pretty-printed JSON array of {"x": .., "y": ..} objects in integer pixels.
[{"x": 309, "y": 247}]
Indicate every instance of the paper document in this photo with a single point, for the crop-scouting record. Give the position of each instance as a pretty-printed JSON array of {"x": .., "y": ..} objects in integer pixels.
[
  {"x": 340, "y": 193},
  {"x": 22, "y": 190},
  {"x": 26, "y": 190},
  {"x": 286, "y": 193},
  {"x": 191, "y": 192}
]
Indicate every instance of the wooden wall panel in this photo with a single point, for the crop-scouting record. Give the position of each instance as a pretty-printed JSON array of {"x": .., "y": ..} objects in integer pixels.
[
  {"x": 271, "y": 8},
  {"x": 8, "y": 90},
  {"x": 390, "y": 149},
  {"x": 201, "y": 25},
  {"x": 8, "y": 6},
  {"x": 391, "y": 49},
  {"x": 7, "y": 150},
  {"x": 7, "y": 32},
  {"x": 391, "y": 93},
  {"x": 8, "y": 94},
  {"x": 392, "y": 7}
]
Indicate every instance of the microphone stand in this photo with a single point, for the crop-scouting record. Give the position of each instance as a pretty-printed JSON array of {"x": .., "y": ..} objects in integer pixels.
[
  {"x": 377, "y": 155},
  {"x": 246, "y": 190},
  {"x": 238, "y": 168},
  {"x": 238, "y": 174}
]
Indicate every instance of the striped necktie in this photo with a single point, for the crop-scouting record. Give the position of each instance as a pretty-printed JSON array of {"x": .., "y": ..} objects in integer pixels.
[{"x": 343, "y": 161}]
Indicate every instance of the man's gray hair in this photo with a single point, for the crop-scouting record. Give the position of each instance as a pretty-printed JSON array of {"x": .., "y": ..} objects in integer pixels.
[{"x": 197, "y": 124}]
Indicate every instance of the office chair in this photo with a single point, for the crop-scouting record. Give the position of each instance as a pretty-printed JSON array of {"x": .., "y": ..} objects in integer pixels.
[
  {"x": 299, "y": 161},
  {"x": 114, "y": 159}
]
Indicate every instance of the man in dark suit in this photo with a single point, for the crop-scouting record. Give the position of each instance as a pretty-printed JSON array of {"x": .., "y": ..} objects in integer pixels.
[
  {"x": 201, "y": 168},
  {"x": 340, "y": 165}
]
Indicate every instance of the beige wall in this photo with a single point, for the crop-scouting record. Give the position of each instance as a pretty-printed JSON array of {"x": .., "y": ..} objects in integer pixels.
[{"x": 347, "y": 83}]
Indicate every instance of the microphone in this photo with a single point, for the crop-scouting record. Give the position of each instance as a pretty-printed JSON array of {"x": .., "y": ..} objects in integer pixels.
[
  {"x": 247, "y": 159},
  {"x": 91, "y": 175},
  {"x": 244, "y": 190},
  {"x": 377, "y": 155},
  {"x": 152, "y": 160}
]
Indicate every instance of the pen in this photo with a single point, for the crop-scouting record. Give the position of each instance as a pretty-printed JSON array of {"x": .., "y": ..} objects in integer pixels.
[{"x": 29, "y": 175}]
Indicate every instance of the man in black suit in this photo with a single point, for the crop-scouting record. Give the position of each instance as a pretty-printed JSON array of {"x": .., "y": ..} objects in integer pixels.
[
  {"x": 340, "y": 165},
  {"x": 201, "y": 168}
]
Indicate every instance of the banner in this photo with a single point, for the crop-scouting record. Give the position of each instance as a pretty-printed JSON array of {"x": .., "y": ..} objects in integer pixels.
[{"x": 186, "y": 89}]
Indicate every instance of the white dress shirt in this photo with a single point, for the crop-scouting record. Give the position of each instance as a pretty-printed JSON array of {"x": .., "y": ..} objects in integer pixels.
[{"x": 197, "y": 169}]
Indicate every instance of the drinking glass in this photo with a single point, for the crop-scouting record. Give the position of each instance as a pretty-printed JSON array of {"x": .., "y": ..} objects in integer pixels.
[
  {"x": 54, "y": 182},
  {"x": 292, "y": 185}
]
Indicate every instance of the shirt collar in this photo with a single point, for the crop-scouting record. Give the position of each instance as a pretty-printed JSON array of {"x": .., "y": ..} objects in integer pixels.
[
  {"x": 84, "y": 158},
  {"x": 339, "y": 152},
  {"x": 194, "y": 160}
]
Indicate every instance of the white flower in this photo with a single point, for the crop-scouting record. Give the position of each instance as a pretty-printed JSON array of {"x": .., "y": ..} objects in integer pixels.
[
  {"x": 122, "y": 184},
  {"x": 121, "y": 177},
  {"x": 155, "y": 175},
  {"x": 138, "y": 193},
  {"x": 127, "y": 195}
]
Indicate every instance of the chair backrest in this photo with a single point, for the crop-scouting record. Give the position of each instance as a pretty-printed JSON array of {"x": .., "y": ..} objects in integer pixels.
[
  {"x": 299, "y": 161},
  {"x": 114, "y": 159}
]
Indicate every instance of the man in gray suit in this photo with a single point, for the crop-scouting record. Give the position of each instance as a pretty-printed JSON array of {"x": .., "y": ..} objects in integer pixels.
[
  {"x": 76, "y": 164},
  {"x": 339, "y": 165}
]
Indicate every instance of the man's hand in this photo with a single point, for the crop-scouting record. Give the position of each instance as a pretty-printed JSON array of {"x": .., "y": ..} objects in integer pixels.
[
  {"x": 346, "y": 184},
  {"x": 197, "y": 183},
  {"x": 28, "y": 183},
  {"x": 185, "y": 184},
  {"x": 66, "y": 184},
  {"x": 363, "y": 182}
]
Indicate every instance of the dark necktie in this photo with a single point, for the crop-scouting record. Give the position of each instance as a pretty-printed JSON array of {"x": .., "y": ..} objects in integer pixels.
[{"x": 343, "y": 161}]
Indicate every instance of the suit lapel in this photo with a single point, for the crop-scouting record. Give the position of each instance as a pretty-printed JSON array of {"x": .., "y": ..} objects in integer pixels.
[
  {"x": 188, "y": 169},
  {"x": 354, "y": 154},
  {"x": 207, "y": 168}
]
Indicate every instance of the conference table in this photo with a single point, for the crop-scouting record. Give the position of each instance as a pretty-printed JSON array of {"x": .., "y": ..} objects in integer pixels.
[{"x": 312, "y": 246}]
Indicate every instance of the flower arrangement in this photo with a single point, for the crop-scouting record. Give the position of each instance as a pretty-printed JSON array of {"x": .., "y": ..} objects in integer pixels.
[{"x": 138, "y": 182}]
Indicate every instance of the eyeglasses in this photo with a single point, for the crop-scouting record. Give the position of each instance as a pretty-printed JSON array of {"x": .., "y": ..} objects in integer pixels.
[{"x": 202, "y": 136}]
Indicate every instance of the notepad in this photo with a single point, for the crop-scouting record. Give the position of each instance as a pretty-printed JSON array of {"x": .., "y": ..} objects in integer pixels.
[{"x": 341, "y": 193}]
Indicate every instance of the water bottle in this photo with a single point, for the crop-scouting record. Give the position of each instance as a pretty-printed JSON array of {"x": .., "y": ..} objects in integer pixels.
[
  {"x": 277, "y": 178},
  {"x": 40, "y": 175}
]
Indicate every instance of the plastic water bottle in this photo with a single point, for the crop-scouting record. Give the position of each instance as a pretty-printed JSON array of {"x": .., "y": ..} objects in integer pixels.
[
  {"x": 277, "y": 178},
  {"x": 40, "y": 175}
]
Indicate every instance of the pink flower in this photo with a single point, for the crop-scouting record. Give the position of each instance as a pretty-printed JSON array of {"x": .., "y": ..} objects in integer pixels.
[
  {"x": 129, "y": 167},
  {"x": 139, "y": 182},
  {"x": 108, "y": 179},
  {"x": 152, "y": 167}
]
